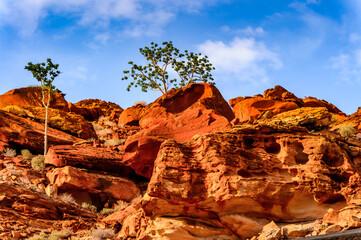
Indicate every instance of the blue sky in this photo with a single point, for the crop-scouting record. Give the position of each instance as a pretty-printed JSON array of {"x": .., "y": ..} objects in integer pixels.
[{"x": 311, "y": 47}]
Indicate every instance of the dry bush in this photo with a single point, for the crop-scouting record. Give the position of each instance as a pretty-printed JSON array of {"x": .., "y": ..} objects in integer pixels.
[
  {"x": 90, "y": 207},
  {"x": 100, "y": 234},
  {"x": 104, "y": 132},
  {"x": 26, "y": 154},
  {"x": 346, "y": 130},
  {"x": 8, "y": 152},
  {"x": 37, "y": 163},
  {"x": 114, "y": 142},
  {"x": 143, "y": 103},
  {"x": 109, "y": 123},
  {"x": 97, "y": 126},
  {"x": 68, "y": 198}
]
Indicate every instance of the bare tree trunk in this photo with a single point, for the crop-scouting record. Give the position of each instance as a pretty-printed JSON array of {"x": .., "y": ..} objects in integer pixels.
[{"x": 46, "y": 105}]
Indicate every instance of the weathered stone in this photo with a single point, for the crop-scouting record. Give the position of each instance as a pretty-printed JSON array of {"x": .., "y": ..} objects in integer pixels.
[
  {"x": 70, "y": 123},
  {"x": 76, "y": 180},
  {"x": 28, "y": 134}
]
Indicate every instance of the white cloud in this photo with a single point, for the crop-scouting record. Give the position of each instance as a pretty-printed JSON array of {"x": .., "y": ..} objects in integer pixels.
[
  {"x": 245, "y": 59},
  {"x": 25, "y": 15},
  {"x": 248, "y": 31},
  {"x": 348, "y": 66}
]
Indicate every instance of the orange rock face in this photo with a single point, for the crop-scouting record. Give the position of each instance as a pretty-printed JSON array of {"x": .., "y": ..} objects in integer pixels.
[
  {"x": 80, "y": 182},
  {"x": 274, "y": 101},
  {"x": 29, "y": 134},
  {"x": 31, "y": 96},
  {"x": 246, "y": 180}
]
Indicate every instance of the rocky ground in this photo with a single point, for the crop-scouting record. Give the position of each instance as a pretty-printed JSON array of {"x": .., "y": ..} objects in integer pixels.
[{"x": 187, "y": 166}]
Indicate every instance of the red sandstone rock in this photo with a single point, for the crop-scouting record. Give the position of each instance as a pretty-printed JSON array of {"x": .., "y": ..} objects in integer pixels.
[
  {"x": 274, "y": 101},
  {"x": 31, "y": 96},
  {"x": 71, "y": 123},
  {"x": 253, "y": 178},
  {"x": 92, "y": 109},
  {"x": 131, "y": 116},
  {"x": 88, "y": 157},
  {"x": 314, "y": 102},
  {"x": 70, "y": 179},
  {"x": 29, "y": 134}
]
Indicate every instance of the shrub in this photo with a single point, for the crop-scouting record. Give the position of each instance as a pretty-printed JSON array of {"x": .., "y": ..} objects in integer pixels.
[
  {"x": 68, "y": 198},
  {"x": 143, "y": 103},
  {"x": 8, "y": 152},
  {"x": 346, "y": 130},
  {"x": 107, "y": 211},
  {"x": 55, "y": 235},
  {"x": 113, "y": 142},
  {"x": 90, "y": 207},
  {"x": 104, "y": 132},
  {"x": 109, "y": 123},
  {"x": 26, "y": 154},
  {"x": 97, "y": 126},
  {"x": 37, "y": 163},
  {"x": 99, "y": 234}
]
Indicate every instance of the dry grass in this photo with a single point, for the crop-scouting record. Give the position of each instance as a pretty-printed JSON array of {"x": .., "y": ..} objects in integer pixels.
[{"x": 8, "y": 152}]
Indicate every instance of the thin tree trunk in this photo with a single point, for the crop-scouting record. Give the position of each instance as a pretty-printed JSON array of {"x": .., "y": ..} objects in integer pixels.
[{"x": 46, "y": 123}]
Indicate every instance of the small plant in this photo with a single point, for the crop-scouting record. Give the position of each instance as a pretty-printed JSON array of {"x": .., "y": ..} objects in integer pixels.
[
  {"x": 346, "y": 130},
  {"x": 26, "y": 154},
  {"x": 143, "y": 103},
  {"x": 8, "y": 152},
  {"x": 104, "y": 132},
  {"x": 107, "y": 211},
  {"x": 100, "y": 234},
  {"x": 55, "y": 235},
  {"x": 37, "y": 163},
  {"x": 113, "y": 142},
  {"x": 89, "y": 207},
  {"x": 68, "y": 198},
  {"x": 109, "y": 123}
]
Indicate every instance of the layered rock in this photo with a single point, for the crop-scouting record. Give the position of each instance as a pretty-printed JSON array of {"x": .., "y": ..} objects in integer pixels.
[
  {"x": 68, "y": 122},
  {"x": 31, "y": 96},
  {"x": 95, "y": 187},
  {"x": 182, "y": 113},
  {"x": 274, "y": 101},
  {"x": 23, "y": 132},
  {"x": 246, "y": 180},
  {"x": 88, "y": 157},
  {"x": 92, "y": 109}
]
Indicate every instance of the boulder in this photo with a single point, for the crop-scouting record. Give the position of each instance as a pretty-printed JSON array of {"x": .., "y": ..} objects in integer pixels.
[
  {"x": 31, "y": 96},
  {"x": 179, "y": 115},
  {"x": 88, "y": 157},
  {"x": 71, "y": 123},
  {"x": 79, "y": 181},
  {"x": 28, "y": 134},
  {"x": 274, "y": 101},
  {"x": 248, "y": 179},
  {"x": 92, "y": 109}
]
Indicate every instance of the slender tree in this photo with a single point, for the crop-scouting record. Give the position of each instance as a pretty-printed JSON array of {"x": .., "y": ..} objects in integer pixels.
[
  {"x": 188, "y": 66},
  {"x": 45, "y": 73}
]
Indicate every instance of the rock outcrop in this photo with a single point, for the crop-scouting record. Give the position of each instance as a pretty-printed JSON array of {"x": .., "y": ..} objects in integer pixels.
[
  {"x": 25, "y": 133},
  {"x": 94, "y": 187},
  {"x": 273, "y": 101},
  {"x": 71, "y": 123}
]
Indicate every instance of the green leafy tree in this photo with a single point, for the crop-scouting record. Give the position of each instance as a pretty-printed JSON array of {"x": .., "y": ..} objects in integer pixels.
[
  {"x": 45, "y": 73},
  {"x": 189, "y": 67}
]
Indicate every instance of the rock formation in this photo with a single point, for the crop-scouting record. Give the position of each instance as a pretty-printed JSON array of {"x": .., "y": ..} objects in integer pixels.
[{"x": 186, "y": 166}]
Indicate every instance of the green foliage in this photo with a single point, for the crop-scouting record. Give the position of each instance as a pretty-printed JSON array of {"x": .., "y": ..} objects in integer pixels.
[
  {"x": 107, "y": 211},
  {"x": 44, "y": 73},
  {"x": 346, "y": 130},
  {"x": 190, "y": 67},
  {"x": 26, "y": 154},
  {"x": 37, "y": 163}
]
